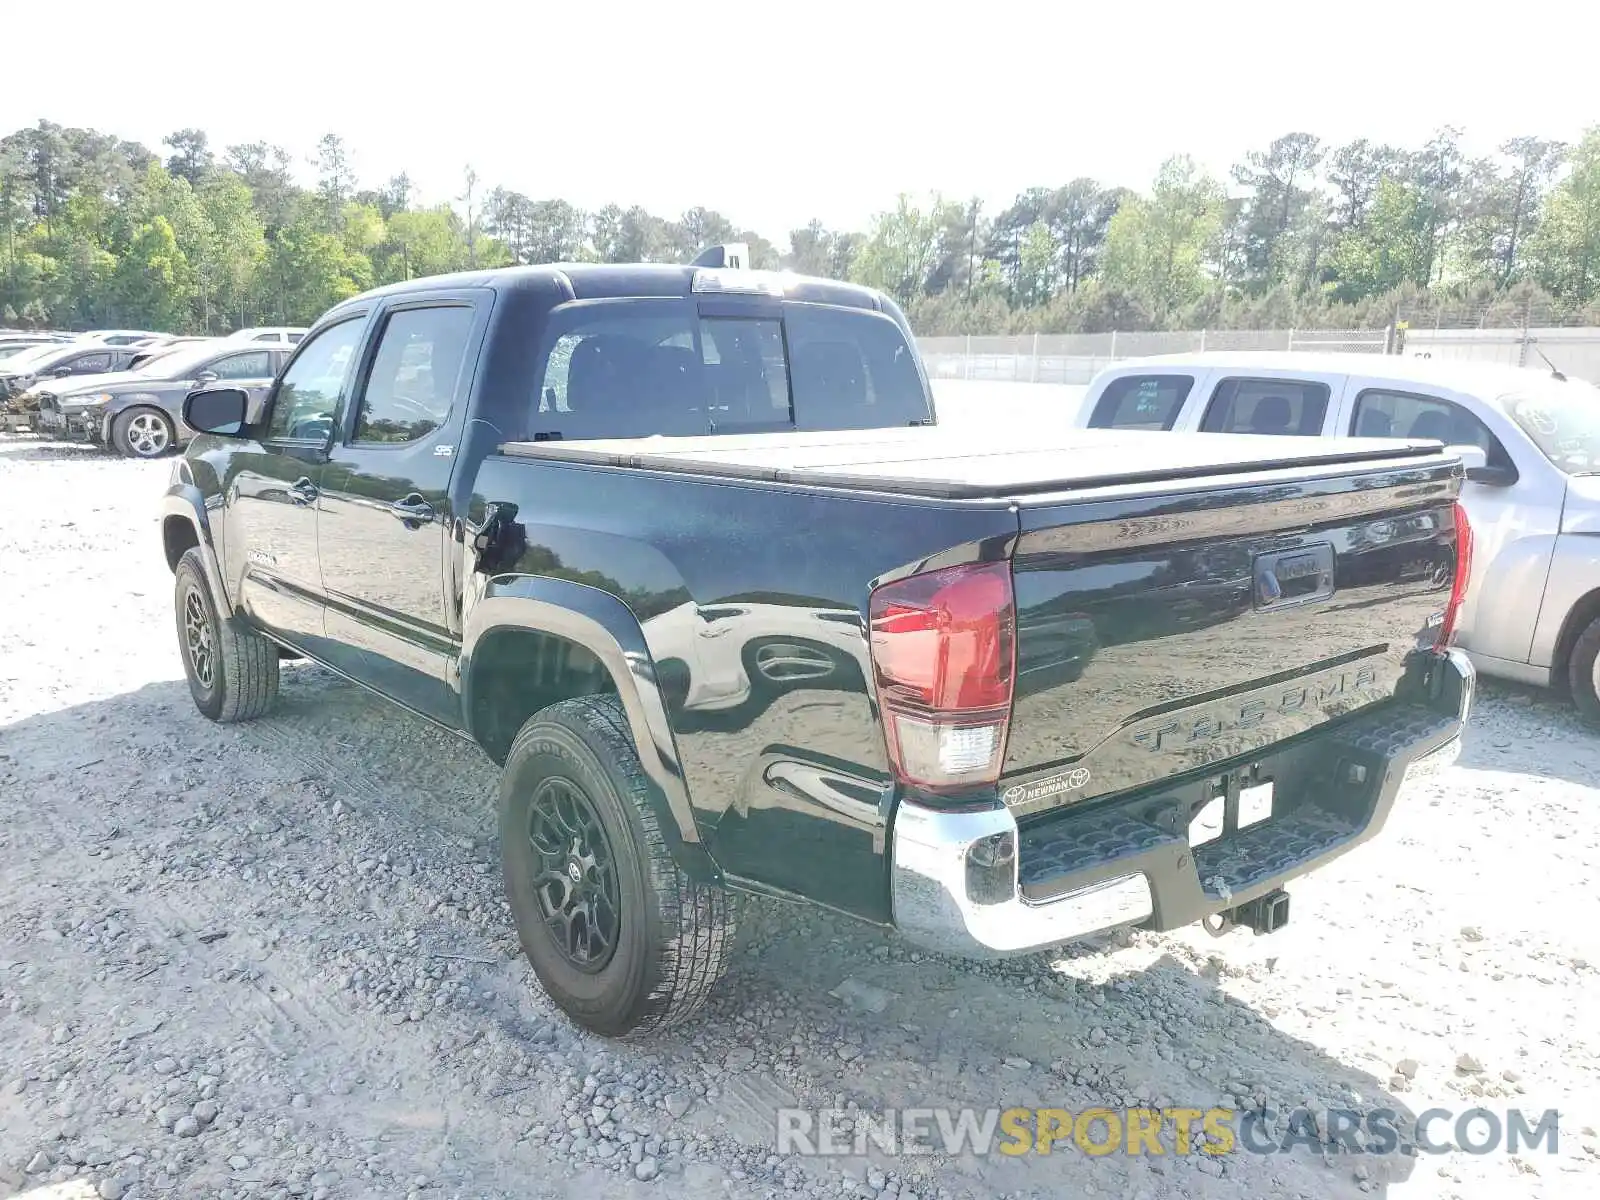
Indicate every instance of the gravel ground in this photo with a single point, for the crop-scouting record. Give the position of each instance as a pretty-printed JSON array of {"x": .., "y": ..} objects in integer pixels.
[{"x": 272, "y": 960}]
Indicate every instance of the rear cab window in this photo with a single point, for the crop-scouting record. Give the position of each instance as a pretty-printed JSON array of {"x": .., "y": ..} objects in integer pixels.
[
  {"x": 638, "y": 368},
  {"x": 1141, "y": 402},
  {"x": 1283, "y": 407}
]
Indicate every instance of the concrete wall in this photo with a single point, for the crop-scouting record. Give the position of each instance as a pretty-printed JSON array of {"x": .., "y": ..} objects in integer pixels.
[{"x": 1574, "y": 351}]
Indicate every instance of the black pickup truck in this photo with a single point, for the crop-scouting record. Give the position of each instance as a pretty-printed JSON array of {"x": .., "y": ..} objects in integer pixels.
[{"x": 685, "y": 550}]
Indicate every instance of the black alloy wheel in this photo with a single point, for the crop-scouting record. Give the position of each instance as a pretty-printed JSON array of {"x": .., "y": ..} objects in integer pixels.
[{"x": 575, "y": 875}]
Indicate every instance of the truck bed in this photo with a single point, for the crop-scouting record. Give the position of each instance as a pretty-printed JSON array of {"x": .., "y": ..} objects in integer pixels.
[{"x": 943, "y": 463}]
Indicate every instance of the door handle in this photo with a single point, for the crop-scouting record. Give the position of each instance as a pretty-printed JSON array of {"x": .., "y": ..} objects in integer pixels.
[
  {"x": 303, "y": 491},
  {"x": 412, "y": 509}
]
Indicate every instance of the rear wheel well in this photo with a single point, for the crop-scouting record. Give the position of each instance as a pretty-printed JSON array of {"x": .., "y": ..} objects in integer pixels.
[
  {"x": 517, "y": 672},
  {"x": 1583, "y": 612},
  {"x": 177, "y": 536}
]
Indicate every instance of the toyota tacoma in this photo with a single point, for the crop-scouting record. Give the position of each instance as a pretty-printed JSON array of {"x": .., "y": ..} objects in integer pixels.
[{"x": 684, "y": 549}]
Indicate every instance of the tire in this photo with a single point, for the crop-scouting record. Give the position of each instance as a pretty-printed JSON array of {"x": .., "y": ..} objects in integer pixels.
[
  {"x": 236, "y": 678},
  {"x": 142, "y": 433},
  {"x": 1583, "y": 673},
  {"x": 644, "y": 960}
]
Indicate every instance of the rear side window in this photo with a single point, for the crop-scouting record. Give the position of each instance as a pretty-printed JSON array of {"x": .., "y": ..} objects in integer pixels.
[
  {"x": 415, "y": 375},
  {"x": 1141, "y": 402},
  {"x": 852, "y": 370},
  {"x": 639, "y": 368},
  {"x": 1270, "y": 406}
]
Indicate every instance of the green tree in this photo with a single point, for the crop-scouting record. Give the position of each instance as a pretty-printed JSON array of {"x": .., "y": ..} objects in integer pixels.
[
  {"x": 265, "y": 171},
  {"x": 336, "y": 179},
  {"x": 631, "y": 235},
  {"x": 1160, "y": 249},
  {"x": 1391, "y": 247},
  {"x": 1355, "y": 171},
  {"x": 191, "y": 159},
  {"x": 1566, "y": 248},
  {"x": 1279, "y": 183},
  {"x": 816, "y": 250},
  {"x": 148, "y": 283},
  {"x": 235, "y": 247},
  {"x": 900, "y": 250}
]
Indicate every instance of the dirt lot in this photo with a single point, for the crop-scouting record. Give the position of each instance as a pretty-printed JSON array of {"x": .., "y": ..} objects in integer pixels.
[{"x": 272, "y": 960}]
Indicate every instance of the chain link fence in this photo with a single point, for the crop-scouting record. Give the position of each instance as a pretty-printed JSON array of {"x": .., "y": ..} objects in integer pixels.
[
  {"x": 1517, "y": 333},
  {"x": 1076, "y": 357}
]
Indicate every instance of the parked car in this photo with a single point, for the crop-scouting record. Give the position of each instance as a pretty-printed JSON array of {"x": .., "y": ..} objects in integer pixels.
[
  {"x": 1531, "y": 441},
  {"x": 139, "y": 413},
  {"x": 281, "y": 335},
  {"x": 505, "y": 499},
  {"x": 11, "y": 349},
  {"x": 17, "y": 339},
  {"x": 22, "y": 372},
  {"x": 118, "y": 337},
  {"x": 148, "y": 353}
]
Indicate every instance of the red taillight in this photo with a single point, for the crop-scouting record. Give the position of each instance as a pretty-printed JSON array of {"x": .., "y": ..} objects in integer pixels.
[
  {"x": 1458, "y": 586},
  {"x": 943, "y": 657}
]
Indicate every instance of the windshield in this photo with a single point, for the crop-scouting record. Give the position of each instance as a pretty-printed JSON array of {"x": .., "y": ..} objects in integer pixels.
[
  {"x": 8, "y": 352},
  {"x": 33, "y": 355},
  {"x": 179, "y": 363},
  {"x": 1563, "y": 420}
]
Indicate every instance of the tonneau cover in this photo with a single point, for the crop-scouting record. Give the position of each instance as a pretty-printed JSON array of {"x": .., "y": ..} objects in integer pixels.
[{"x": 956, "y": 463}]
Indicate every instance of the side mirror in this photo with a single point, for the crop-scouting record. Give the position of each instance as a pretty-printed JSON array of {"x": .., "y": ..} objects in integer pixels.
[
  {"x": 1492, "y": 476},
  {"x": 60, "y": 372},
  {"x": 206, "y": 377},
  {"x": 1476, "y": 460},
  {"x": 221, "y": 411}
]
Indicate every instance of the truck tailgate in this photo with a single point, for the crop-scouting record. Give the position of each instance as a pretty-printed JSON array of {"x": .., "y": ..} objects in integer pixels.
[{"x": 1162, "y": 629}]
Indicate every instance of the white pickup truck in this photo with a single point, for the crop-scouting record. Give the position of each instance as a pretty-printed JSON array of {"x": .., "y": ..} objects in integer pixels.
[{"x": 1530, "y": 440}]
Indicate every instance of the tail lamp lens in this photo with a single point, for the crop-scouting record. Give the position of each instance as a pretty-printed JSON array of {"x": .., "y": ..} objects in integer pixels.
[
  {"x": 944, "y": 658},
  {"x": 1463, "y": 576}
]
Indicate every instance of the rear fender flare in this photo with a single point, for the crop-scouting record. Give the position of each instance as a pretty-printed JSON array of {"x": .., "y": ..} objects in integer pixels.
[{"x": 607, "y": 628}]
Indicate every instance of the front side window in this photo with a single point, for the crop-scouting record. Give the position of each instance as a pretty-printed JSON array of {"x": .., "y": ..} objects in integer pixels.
[
  {"x": 91, "y": 364},
  {"x": 1268, "y": 406},
  {"x": 1382, "y": 413},
  {"x": 415, "y": 374},
  {"x": 307, "y": 400},
  {"x": 255, "y": 365},
  {"x": 1141, "y": 402}
]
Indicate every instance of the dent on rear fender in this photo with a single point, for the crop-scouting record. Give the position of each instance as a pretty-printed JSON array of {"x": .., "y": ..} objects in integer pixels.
[
  {"x": 1504, "y": 599},
  {"x": 1574, "y": 576}
]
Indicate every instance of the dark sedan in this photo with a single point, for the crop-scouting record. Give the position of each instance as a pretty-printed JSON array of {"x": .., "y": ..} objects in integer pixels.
[
  {"x": 26, "y": 370},
  {"x": 140, "y": 413}
]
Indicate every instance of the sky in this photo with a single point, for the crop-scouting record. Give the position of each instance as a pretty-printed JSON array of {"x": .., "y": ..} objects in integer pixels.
[{"x": 775, "y": 113}]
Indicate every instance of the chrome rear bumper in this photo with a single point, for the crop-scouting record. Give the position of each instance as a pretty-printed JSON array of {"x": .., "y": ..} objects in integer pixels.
[{"x": 958, "y": 884}]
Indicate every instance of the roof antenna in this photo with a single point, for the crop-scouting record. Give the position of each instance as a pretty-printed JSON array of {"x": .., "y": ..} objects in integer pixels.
[
  {"x": 1554, "y": 373},
  {"x": 734, "y": 255}
]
